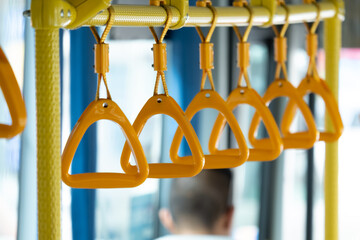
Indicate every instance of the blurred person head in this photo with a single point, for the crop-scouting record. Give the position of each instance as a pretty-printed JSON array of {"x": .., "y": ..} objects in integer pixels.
[{"x": 200, "y": 204}]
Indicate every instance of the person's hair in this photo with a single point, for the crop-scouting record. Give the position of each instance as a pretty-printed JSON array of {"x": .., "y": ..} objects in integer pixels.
[{"x": 201, "y": 200}]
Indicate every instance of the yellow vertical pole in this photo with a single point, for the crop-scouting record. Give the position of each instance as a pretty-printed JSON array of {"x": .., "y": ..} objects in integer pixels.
[
  {"x": 47, "y": 16},
  {"x": 332, "y": 42},
  {"x": 48, "y": 132}
]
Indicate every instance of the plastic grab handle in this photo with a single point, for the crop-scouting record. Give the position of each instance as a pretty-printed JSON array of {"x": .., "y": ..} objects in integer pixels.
[
  {"x": 14, "y": 100},
  {"x": 270, "y": 148},
  {"x": 219, "y": 158},
  {"x": 162, "y": 104},
  {"x": 98, "y": 110},
  {"x": 318, "y": 86},
  {"x": 299, "y": 140}
]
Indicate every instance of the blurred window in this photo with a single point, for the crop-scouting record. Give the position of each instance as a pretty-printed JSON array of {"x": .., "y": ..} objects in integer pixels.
[
  {"x": 128, "y": 213},
  {"x": 12, "y": 43}
]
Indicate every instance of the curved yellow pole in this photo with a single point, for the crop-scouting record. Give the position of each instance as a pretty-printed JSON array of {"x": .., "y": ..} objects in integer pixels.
[
  {"x": 332, "y": 43},
  {"x": 48, "y": 132}
]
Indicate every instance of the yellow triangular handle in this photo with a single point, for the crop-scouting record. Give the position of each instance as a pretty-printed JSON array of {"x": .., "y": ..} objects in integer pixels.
[
  {"x": 98, "y": 110},
  {"x": 219, "y": 159},
  {"x": 162, "y": 104},
  {"x": 272, "y": 147},
  {"x": 299, "y": 140},
  {"x": 14, "y": 100},
  {"x": 318, "y": 86}
]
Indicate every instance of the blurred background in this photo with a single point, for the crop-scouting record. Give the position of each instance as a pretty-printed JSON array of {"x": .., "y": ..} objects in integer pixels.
[{"x": 283, "y": 199}]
